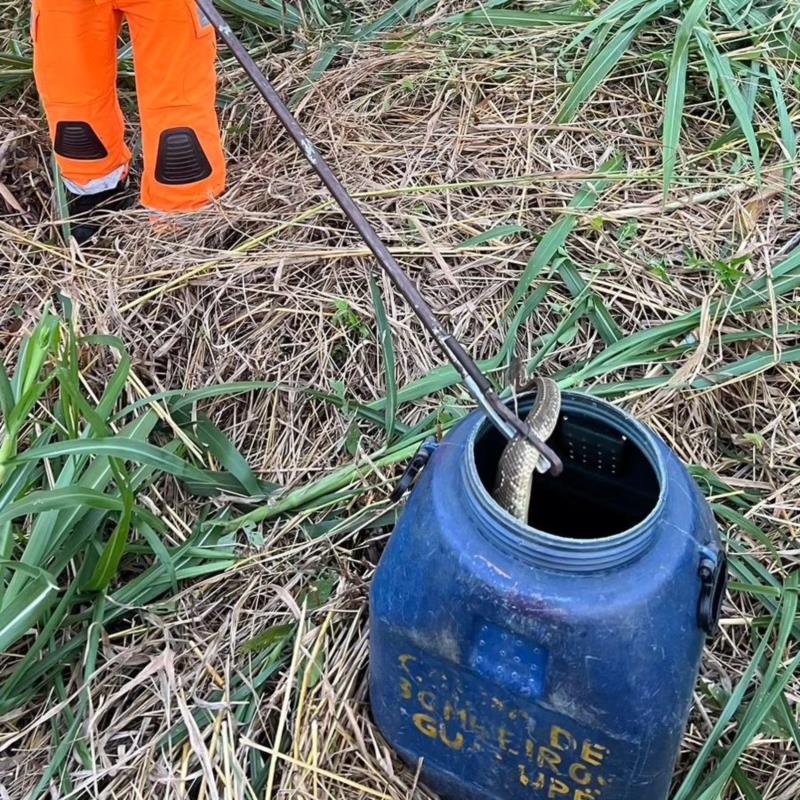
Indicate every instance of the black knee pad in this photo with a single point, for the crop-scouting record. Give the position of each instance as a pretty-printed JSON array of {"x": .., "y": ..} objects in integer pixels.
[
  {"x": 79, "y": 141},
  {"x": 181, "y": 158}
]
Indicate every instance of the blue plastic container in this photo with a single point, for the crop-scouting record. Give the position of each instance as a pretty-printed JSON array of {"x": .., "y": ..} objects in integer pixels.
[{"x": 551, "y": 661}]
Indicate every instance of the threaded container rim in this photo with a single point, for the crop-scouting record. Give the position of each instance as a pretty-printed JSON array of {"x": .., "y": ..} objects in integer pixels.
[{"x": 553, "y": 551}]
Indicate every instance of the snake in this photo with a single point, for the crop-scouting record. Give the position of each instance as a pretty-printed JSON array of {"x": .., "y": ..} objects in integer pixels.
[{"x": 520, "y": 459}]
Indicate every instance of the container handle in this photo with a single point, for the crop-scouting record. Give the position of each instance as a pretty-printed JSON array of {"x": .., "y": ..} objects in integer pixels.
[
  {"x": 714, "y": 576},
  {"x": 412, "y": 471}
]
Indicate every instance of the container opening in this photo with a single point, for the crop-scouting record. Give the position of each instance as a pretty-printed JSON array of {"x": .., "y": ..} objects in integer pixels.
[{"x": 608, "y": 486}]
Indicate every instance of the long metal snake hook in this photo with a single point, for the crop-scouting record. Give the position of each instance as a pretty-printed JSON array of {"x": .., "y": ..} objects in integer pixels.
[{"x": 508, "y": 423}]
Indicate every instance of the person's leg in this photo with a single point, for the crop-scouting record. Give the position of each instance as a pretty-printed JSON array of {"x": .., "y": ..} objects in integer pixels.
[
  {"x": 75, "y": 65},
  {"x": 176, "y": 82}
]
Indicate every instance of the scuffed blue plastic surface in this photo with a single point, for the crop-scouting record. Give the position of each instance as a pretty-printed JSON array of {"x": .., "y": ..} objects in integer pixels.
[{"x": 515, "y": 682}]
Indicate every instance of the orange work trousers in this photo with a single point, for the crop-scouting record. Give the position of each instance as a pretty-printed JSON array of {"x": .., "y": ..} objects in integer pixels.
[{"x": 75, "y": 64}]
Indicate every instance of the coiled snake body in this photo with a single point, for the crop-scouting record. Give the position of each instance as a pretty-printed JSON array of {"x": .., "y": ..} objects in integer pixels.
[{"x": 520, "y": 459}]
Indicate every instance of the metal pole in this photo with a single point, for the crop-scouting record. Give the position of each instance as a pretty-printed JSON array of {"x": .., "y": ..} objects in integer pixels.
[{"x": 501, "y": 416}]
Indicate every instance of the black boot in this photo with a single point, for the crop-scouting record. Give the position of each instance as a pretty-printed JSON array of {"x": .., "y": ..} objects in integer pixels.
[{"x": 85, "y": 210}]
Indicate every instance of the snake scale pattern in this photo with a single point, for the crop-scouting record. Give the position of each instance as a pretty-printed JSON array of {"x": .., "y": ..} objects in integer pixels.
[{"x": 520, "y": 459}]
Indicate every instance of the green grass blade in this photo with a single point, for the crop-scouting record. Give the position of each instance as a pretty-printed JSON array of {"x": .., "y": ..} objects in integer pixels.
[
  {"x": 446, "y": 376},
  {"x": 336, "y": 481},
  {"x": 788, "y": 133},
  {"x": 788, "y": 620},
  {"x": 744, "y": 785},
  {"x": 387, "y": 349},
  {"x": 360, "y": 410},
  {"x": 59, "y": 499},
  {"x": 719, "y": 65},
  {"x": 712, "y": 63},
  {"x": 673, "y": 116},
  {"x": 568, "y": 322},
  {"x": 617, "y": 13},
  {"x": 508, "y": 18},
  {"x": 500, "y": 232},
  {"x": 184, "y": 398},
  {"x": 50, "y": 528},
  {"x": 642, "y": 346},
  {"x": 62, "y": 206},
  {"x": 787, "y": 718},
  {"x": 781, "y": 281},
  {"x": 111, "y": 556},
  {"x": 676, "y": 89},
  {"x": 44, "y": 638},
  {"x": 117, "y": 382},
  {"x": 748, "y": 730},
  {"x": 6, "y": 393},
  {"x": 586, "y": 197},
  {"x": 35, "y": 350},
  {"x": 690, "y": 782},
  {"x": 597, "y": 70},
  {"x": 752, "y": 87},
  {"x": 223, "y": 449},
  {"x": 738, "y": 520},
  {"x": 401, "y": 11},
  {"x": 127, "y": 450},
  {"x": 17, "y": 617},
  {"x": 18, "y": 479},
  {"x": 187, "y": 397},
  {"x": 598, "y": 40},
  {"x": 597, "y": 310},
  {"x": 274, "y": 14},
  {"x": 318, "y": 69},
  {"x": 161, "y": 553}
]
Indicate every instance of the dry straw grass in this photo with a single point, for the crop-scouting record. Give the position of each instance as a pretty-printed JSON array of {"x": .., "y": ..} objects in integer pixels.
[{"x": 444, "y": 138}]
